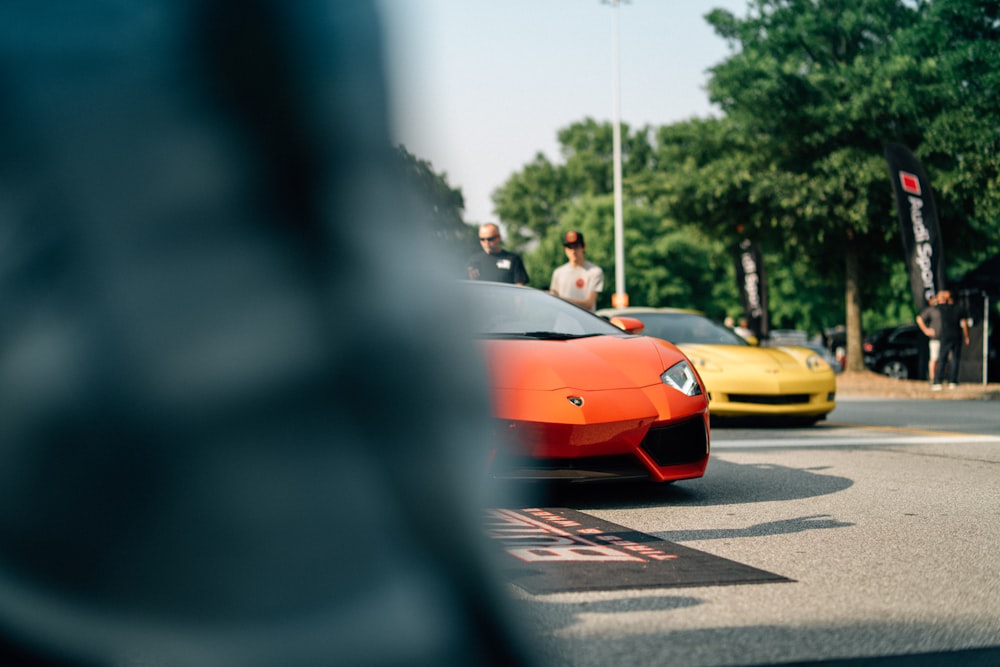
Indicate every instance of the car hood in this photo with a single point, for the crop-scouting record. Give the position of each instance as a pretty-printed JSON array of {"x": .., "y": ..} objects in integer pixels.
[
  {"x": 595, "y": 363},
  {"x": 747, "y": 358}
]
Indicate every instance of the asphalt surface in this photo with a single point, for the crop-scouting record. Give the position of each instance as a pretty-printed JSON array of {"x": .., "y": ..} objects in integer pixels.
[{"x": 886, "y": 518}]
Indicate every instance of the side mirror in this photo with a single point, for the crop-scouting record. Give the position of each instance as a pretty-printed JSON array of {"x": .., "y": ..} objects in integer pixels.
[{"x": 628, "y": 324}]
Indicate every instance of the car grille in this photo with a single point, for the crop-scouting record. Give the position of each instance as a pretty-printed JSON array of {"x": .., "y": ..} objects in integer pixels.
[
  {"x": 785, "y": 399},
  {"x": 686, "y": 442}
]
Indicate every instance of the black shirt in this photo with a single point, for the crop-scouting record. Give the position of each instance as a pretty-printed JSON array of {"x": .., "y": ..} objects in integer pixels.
[
  {"x": 503, "y": 267},
  {"x": 951, "y": 321}
]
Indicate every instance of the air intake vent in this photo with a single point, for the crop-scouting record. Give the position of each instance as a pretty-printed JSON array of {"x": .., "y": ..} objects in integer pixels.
[
  {"x": 686, "y": 442},
  {"x": 787, "y": 399}
]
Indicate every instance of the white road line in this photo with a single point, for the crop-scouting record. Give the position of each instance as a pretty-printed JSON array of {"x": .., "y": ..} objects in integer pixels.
[{"x": 873, "y": 439}]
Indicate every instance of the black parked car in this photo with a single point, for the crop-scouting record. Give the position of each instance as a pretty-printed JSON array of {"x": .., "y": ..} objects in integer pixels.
[{"x": 899, "y": 352}]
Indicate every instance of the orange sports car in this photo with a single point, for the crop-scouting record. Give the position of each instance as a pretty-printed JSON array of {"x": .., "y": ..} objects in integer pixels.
[{"x": 576, "y": 398}]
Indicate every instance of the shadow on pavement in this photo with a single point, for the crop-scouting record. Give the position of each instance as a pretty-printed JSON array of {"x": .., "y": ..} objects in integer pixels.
[{"x": 724, "y": 483}]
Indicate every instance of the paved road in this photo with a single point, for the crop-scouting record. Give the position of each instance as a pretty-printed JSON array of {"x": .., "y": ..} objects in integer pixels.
[
  {"x": 955, "y": 416},
  {"x": 886, "y": 518}
]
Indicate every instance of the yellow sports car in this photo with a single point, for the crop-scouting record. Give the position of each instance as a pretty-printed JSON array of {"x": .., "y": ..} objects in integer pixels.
[{"x": 743, "y": 380}]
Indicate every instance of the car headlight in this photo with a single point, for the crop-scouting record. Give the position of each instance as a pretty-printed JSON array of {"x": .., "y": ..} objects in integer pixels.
[
  {"x": 814, "y": 362},
  {"x": 681, "y": 377}
]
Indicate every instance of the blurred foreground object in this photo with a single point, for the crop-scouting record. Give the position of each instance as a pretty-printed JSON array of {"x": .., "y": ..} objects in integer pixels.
[{"x": 238, "y": 423}]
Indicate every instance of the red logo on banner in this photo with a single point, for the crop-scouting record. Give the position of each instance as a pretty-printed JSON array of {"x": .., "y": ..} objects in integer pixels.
[{"x": 909, "y": 182}]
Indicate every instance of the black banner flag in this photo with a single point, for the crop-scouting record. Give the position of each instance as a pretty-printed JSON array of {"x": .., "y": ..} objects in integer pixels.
[
  {"x": 918, "y": 224},
  {"x": 752, "y": 284}
]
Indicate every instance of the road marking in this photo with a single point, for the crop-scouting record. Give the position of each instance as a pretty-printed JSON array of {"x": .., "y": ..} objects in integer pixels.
[
  {"x": 561, "y": 550},
  {"x": 900, "y": 429},
  {"x": 854, "y": 436}
]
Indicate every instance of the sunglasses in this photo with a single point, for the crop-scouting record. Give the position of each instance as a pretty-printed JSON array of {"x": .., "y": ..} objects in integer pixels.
[
  {"x": 573, "y": 246},
  {"x": 489, "y": 238}
]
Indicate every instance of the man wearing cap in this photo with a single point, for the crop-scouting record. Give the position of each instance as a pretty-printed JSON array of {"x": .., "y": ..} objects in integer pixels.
[
  {"x": 577, "y": 281},
  {"x": 495, "y": 263}
]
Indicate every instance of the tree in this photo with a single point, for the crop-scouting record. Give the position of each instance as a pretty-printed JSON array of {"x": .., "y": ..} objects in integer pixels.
[
  {"x": 810, "y": 94},
  {"x": 807, "y": 131},
  {"x": 440, "y": 207},
  {"x": 666, "y": 265},
  {"x": 955, "y": 51},
  {"x": 530, "y": 202},
  {"x": 534, "y": 201}
]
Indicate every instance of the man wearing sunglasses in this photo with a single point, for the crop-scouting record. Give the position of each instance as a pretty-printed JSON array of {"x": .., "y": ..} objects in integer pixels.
[{"x": 495, "y": 263}]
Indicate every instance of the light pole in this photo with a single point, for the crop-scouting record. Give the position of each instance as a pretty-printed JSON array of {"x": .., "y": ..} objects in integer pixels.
[{"x": 620, "y": 298}]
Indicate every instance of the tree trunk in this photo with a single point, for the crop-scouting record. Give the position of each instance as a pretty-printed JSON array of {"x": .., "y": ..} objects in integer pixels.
[{"x": 852, "y": 294}]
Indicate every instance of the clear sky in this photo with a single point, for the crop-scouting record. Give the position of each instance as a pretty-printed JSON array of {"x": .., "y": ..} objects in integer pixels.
[{"x": 478, "y": 87}]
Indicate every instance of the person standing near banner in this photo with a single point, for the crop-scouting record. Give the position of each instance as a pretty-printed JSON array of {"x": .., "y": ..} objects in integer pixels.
[
  {"x": 929, "y": 321},
  {"x": 953, "y": 325}
]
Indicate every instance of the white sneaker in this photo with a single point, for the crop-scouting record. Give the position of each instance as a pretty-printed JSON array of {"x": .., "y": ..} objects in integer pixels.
[
  {"x": 952, "y": 385},
  {"x": 935, "y": 387}
]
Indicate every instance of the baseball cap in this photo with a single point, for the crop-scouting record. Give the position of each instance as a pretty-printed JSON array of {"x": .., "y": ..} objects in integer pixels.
[{"x": 571, "y": 237}]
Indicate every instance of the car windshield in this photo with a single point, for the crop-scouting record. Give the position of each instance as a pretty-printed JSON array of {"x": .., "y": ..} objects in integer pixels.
[
  {"x": 687, "y": 328},
  {"x": 498, "y": 310}
]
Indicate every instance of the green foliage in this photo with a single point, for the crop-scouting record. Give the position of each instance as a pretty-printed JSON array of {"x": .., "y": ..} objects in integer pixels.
[
  {"x": 803, "y": 167},
  {"x": 894, "y": 303},
  {"x": 674, "y": 266},
  {"x": 439, "y": 206},
  {"x": 960, "y": 40},
  {"x": 665, "y": 264},
  {"x": 536, "y": 199},
  {"x": 531, "y": 201},
  {"x": 810, "y": 95}
]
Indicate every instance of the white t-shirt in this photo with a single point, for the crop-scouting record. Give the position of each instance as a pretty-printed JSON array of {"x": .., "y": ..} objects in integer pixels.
[{"x": 577, "y": 282}]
